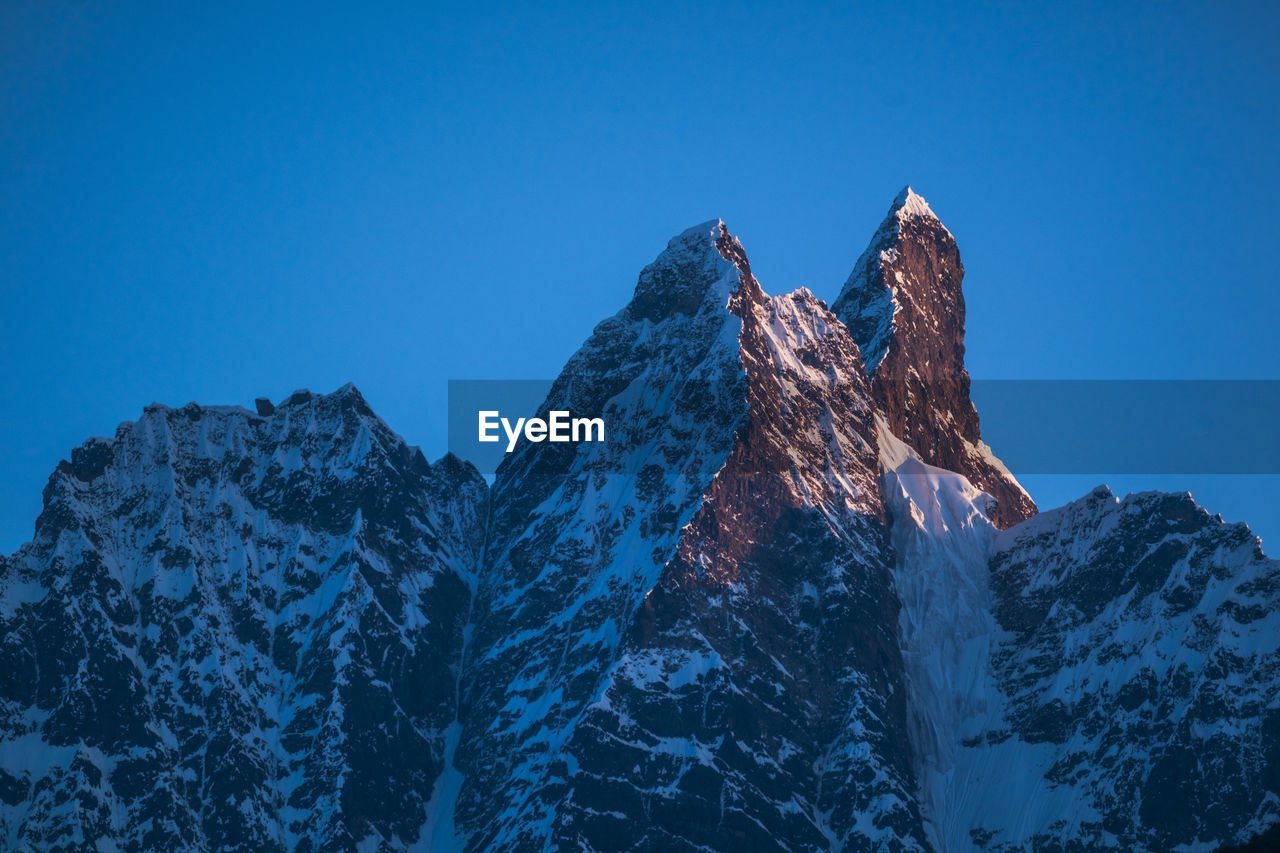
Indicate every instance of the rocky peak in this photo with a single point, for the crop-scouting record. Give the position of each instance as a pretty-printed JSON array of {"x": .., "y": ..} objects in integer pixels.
[
  {"x": 904, "y": 305},
  {"x": 910, "y": 205},
  {"x": 693, "y": 269}
]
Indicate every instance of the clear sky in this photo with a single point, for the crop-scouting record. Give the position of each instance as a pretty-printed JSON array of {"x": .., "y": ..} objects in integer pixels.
[{"x": 218, "y": 201}]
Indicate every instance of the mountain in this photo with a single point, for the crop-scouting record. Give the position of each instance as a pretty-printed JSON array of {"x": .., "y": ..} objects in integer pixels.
[
  {"x": 654, "y": 667},
  {"x": 236, "y": 632},
  {"x": 793, "y": 603}
]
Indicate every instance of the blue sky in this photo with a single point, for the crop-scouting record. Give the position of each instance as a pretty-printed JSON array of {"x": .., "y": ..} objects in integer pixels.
[{"x": 214, "y": 202}]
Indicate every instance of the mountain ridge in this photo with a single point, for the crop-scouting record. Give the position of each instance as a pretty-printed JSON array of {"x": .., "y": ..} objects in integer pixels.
[{"x": 795, "y": 604}]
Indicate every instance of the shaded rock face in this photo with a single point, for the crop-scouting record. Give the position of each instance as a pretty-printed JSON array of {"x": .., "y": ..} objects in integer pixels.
[
  {"x": 1142, "y": 672},
  {"x": 235, "y": 632},
  {"x": 581, "y": 534},
  {"x": 774, "y": 611},
  {"x": 904, "y": 306}
]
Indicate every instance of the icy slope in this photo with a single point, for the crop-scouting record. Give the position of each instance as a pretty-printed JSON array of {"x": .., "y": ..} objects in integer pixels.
[
  {"x": 942, "y": 543},
  {"x": 1105, "y": 676}
]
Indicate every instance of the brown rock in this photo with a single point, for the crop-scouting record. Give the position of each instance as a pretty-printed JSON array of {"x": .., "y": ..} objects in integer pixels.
[{"x": 904, "y": 305}]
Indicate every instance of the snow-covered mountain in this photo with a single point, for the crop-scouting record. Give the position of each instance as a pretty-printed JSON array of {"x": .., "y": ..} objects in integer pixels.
[
  {"x": 794, "y": 603},
  {"x": 236, "y": 631}
]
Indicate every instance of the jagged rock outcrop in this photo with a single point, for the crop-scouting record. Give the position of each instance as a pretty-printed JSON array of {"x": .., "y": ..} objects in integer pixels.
[{"x": 904, "y": 305}]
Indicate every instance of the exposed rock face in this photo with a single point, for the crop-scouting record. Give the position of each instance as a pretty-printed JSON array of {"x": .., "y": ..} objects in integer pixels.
[
  {"x": 764, "y": 615},
  {"x": 904, "y": 305}
]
